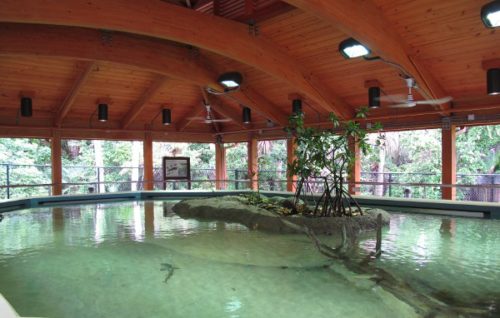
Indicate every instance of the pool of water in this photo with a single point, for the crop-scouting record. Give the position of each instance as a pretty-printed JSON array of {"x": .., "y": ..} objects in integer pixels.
[{"x": 138, "y": 259}]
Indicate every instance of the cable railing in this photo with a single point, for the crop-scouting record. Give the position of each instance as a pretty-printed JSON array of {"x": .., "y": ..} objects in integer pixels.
[{"x": 17, "y": 180}]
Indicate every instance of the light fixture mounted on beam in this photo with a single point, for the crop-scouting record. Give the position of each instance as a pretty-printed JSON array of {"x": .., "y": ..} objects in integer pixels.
[
  {"x": 490, "y": 14},
  {"x": 351, "y": 49},
  {"x": 297, "y": 107},
  {"x": 247, "y": 115},
  {"x": 231, "y": 80},
  {"x": 493, "y": 81}
]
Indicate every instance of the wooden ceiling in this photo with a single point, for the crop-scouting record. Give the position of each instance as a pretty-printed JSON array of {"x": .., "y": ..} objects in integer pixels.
[{"x": 142, "y": 56}]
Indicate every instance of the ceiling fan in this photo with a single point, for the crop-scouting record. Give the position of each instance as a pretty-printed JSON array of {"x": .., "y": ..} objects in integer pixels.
[
  {"x": 402, "y": 101},
  {"x": 209, "y": 118}
]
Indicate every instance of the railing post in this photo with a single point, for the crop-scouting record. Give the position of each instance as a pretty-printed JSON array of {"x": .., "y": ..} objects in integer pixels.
[
  {"x": 98, "y": 171},
  {"x": 236, "y": 177},
  {"x": 7, "y": 167},
  {"x": 390, "y": 185}
]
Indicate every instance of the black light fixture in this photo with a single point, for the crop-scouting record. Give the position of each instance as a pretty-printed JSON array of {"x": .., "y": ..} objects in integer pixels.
[
  {"x": 247, "y": 115},
  {"x": 102, "y": 112},
  {"x": 351, "y": 49},
  {"x": 230, "y": 80},
  {"x": 166, "y": 118},
  {"x": 490, "y": 14},
  {"x": 26, "y": 107},
  {"x": 374, "y": 97},
  {"x": 493, "y": 81},
  {"x": 297, "y": 107}
]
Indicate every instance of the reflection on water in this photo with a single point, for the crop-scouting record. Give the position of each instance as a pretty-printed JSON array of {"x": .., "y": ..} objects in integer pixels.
[{"x": 67, "y": 255}]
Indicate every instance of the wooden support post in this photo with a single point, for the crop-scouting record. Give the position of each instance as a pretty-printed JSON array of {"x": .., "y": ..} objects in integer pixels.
[
  {"x": 55, "y": 158},
  {"x": 355, "y": 173},
  {"x": 449, "y": 161},
  {"x": 148, "y": 162},
  {"x": 253, "y": 165},
  {"x": 220, "y": 166},
  {"x": 291, "y": 181}
]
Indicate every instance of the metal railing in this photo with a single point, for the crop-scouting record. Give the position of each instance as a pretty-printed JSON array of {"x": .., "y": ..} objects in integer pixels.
[{"x": 15, "y": 182}]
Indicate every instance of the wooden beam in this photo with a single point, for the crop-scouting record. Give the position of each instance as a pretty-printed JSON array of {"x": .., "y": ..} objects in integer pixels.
[
  {"x": 80, "y": 81},
  {"x": 253, "y": 162},
  {"x": 139, "y": 105},
  {"x": 363, "y": 21},
  {"x": 220, "y": 166},
  {"x": 174, "y": 61},
  {"x": 449, "y": 162},
  {"x": 148, "y": 161},
  {"x": 167, "y": 21},
  {"x": 291, "y": 181},
  {"x": 56, "y": 162}
]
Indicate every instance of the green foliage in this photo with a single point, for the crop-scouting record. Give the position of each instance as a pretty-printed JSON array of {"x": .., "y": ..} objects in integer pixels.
[{"x": 327, "y": 155}]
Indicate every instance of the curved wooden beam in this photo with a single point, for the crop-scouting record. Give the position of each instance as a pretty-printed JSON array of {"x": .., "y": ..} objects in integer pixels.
[
  {"x": 170, "y": 22},
  {"x": 363, "y": 21},
  {"x": 85, "y": 44}
]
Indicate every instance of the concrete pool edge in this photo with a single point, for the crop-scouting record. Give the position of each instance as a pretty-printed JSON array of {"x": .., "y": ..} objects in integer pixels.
[{"x": 439, "y": 207}]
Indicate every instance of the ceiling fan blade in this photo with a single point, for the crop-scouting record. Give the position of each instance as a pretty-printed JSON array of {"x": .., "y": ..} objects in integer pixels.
[
  {"x": 404, "y": 105},
  {"x": 435, "y": 101},
  {"x": 393, "y": 98},
  {"x": 220, "y": 120},
  {"x": 196, "y": 118}
]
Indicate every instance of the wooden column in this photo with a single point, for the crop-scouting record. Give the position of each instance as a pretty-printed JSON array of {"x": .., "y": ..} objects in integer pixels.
[
  {"x": 449, "y": 162},
  {"x": 355, "y": 173},
  {"x": 55, "y": 158},
  {"x": 220, "y": 166},
  {"x": 253, "y": 166},
  {"x": 148, "y": 161},
  {"x": 291, "y": 181}
]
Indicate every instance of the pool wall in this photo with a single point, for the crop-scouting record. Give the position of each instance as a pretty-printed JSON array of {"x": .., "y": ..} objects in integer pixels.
[{"x": 441, "y": 207}]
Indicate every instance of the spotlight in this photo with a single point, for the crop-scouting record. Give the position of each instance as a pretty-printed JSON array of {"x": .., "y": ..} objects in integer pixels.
[
  {"x": 493, "y": 81},
  {"x": 351, "y": 48},
  {"x": 231, "y": 80},
  {"x": 26, "y": 107},
  {"x": 102, "y": 112},
  {"x": 166, "y": 117},
  {"x": 247, "y": 115},
  {"x": 490, "y": 14},
  {"x": 374, "y": 97},
  {"x": 297, "y": 107}
]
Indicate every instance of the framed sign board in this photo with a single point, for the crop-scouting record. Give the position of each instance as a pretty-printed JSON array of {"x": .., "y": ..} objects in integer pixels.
[{"x": 176, "y": 168}]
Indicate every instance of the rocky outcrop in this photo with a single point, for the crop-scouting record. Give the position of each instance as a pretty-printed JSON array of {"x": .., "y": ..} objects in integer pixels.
[{"x": 234, "y": 209}]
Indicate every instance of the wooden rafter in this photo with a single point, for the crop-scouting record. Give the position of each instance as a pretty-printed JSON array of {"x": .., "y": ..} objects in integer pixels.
[
  {"x": 80, "y": 81},
  {"x": 139, "y": 105},
  {"x": 196, "y": 111},
  {"x": 174, "y": 61},
  {"x": 365, "y": 22},
  {"x": 170, "y": 22}
]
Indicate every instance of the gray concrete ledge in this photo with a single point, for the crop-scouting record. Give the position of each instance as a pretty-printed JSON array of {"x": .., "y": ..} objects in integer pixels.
[{"x": 440, "y": 207}]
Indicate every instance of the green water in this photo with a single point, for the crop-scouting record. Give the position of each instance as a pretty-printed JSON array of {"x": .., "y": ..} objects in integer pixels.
[{"x": 106, "y": 261}]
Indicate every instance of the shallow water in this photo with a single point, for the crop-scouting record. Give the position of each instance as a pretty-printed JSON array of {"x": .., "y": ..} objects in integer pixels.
[{"x": 140, "y": 260}]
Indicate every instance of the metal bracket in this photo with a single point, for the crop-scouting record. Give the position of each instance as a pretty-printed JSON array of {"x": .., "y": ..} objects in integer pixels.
[{"x": 253, "y": 28}]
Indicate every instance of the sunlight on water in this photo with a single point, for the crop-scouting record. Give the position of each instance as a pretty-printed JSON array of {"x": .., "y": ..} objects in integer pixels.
[{"x": 138, "y": 259}]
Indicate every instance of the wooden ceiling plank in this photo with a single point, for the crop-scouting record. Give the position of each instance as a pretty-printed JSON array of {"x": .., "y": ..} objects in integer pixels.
[
  {"x": 140, "y": 104},
  {"x": 170, "y": 22},
  {"x": 175, "y": 62},
  {"x": 365, "y": 22},
  {"x": 80, "y": 81}
]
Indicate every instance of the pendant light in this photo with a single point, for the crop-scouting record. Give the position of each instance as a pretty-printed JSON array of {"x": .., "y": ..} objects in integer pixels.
[
  {"x": 102, "y": 112},
  {"x": 247, "y": 115},
  {"x": 297, "y": 107},
  {"x": 374, "y": 97},
  {"x": 493, "y": 81},
  {"x": 166, "y": 117},
  {"x": 26, "y": 107}
]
